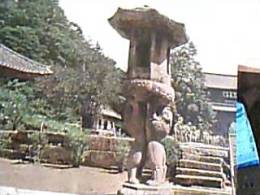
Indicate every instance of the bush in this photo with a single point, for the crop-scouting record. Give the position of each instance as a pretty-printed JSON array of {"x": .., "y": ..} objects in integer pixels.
[
  {"x": 5, "y": 142},
  {"x": 77, "y": 143},
  {"x": 13, "y": 104},
  {"x": 173, "y": 153},
  {"x": 172, "y": 150},
  {"x": 122, "y": 150},
  {"x": 38, "y": 141}
]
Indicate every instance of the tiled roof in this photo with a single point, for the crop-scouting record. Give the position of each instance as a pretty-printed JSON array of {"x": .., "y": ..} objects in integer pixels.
[
  {"x": 12, "y": 60},
  {"x": 220, "y": 81},
  {"x": 111, "y": 113}
]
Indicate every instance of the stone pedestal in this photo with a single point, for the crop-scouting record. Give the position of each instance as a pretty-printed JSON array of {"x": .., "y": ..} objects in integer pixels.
[{"x": 142, "y": 189}]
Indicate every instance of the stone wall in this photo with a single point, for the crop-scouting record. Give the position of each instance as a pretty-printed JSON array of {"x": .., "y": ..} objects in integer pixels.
[
  {"x": 102, "y": 151},
  {"x": 106, "y": 151}
]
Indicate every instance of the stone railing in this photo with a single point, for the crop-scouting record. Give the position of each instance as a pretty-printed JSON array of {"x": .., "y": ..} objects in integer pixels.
[{"x": 196, "y": 135}]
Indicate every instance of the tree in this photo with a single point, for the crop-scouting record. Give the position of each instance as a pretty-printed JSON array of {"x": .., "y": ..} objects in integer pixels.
[
  {"x": 189, "y": 83},
  {"x": 85, "y": 92},
  {"x": 13, "y": 104},
  {"x": 84, "y": 78}
]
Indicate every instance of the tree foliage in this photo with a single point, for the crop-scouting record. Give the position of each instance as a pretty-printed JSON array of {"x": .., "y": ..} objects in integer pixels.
[
  {"x": 13, "y": 104},
  {"x": 172, "y": 150},
  {"x": 189, "y": 83},
  {"x": 84, "y": 78},
  {"x": 23, "y": 107}
]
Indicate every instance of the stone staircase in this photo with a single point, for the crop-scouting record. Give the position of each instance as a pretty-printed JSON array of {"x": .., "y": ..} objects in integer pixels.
[{"x": 203, "y": 165}]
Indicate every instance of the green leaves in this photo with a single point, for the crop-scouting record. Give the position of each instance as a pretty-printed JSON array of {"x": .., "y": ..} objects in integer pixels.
[
  {"x": 78, "y": 143},
  {"x": 172, "y": 150},
  {"x": 83, "y": 80},
  {"x": 189, "y": 83},
  {"x": 13, "y": 104}
]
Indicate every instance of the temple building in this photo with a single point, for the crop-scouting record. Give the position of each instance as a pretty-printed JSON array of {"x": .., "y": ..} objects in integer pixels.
[
  {"x": 108, "y": 123},
  {"x": 222, "y": 91},
  {"x": 15, "y": 65}
]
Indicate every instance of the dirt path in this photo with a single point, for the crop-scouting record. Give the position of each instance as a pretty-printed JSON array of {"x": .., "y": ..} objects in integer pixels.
[{"x": 81, "y": 180}]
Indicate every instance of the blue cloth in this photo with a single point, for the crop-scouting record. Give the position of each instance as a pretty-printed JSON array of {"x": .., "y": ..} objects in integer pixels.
[{"x": 246, "y": 152}]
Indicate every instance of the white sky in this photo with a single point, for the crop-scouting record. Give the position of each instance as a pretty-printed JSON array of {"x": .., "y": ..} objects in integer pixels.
[{"x": 225, "y": 32}]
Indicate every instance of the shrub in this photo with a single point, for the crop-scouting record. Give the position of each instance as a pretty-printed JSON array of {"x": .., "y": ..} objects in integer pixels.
[
  {"x": 77, "y": 143},
  {"x": 38, "y": 141},
  {"x": 13, "y": 104},
  {"x": 172, "y": 150},
  {"x": 5, "y": 142},
  {"x": 122, "y": 150}
]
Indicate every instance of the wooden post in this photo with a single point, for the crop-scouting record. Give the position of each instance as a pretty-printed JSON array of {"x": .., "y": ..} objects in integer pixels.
[{"x": 81, "y": 124}]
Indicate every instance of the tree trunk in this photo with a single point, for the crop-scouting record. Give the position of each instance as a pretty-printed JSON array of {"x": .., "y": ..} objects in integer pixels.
[{"x": 87, "y": 114}]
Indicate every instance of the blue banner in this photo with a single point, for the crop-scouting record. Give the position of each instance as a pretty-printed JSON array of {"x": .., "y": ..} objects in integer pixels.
[{"x": 246, "y": 152}]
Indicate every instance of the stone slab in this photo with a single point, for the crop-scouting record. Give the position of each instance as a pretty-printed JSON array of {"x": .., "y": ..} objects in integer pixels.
[
  {"x": 196, "y": 190},
  {"x": 142, "y": 189},
  {"x": 16, "y": 191},
  {"x": 200, "y": 165},
  {"x": 210, "y": 159},
  {"x": 205, "y": 151},
  {"x": 198, "y": 172},
  {"x": 202, "y": 145},
  {"x": 190, "y": 180},
  {"x": 175, "y": 190},
  {"x": 4, "y": 190}
]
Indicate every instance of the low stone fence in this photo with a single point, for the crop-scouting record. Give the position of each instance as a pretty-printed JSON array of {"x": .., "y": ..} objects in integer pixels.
[
  {"x": 107, "y": 151},
  {"x": 102, "y": 151}
]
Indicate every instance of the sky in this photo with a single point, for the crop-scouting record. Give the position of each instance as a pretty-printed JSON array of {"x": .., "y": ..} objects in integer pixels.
[{"x": 226, "y": 33}]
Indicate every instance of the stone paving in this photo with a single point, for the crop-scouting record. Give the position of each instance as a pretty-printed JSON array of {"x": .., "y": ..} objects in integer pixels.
[{"x": 16, "y": 191}]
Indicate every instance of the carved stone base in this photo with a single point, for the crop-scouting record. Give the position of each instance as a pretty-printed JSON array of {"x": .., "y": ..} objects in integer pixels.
[{"x": 142, "y": 189}]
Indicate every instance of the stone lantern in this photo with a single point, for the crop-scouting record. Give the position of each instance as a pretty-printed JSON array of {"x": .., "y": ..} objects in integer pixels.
[
  {"x": 151, "y": 36},
  {"x": 149, "y": 95}
]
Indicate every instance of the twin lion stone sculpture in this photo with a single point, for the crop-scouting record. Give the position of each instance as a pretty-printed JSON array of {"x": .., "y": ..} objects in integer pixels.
[{"x": 149, "y": 119}]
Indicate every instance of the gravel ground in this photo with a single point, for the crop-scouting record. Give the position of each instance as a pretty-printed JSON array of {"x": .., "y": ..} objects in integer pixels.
[{"x": 83, "y": 180}]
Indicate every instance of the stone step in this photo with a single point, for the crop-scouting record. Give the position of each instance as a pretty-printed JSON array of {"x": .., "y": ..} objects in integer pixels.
[
  {"x": 184, "y": 163},
  {"x": 191, "y": 180},
  {"x": 204, "y": 146},
  {"x": 210, "y": 159},
  {"x": 198, "y": 172},
  {"x": 205, "y": 151},
  {"x": 142, "y": 189},
  {"x": 200, "y": 190}
]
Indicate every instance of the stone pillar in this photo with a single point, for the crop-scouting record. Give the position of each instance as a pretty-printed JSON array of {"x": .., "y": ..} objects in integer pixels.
[
  {"x": 120, "y": 131},
  {"x": 109, "y": 126},
  {"x": 114, "y": 128},
  {"x": 95, "y": 125},
  {"x": 102, "y": 124}
]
